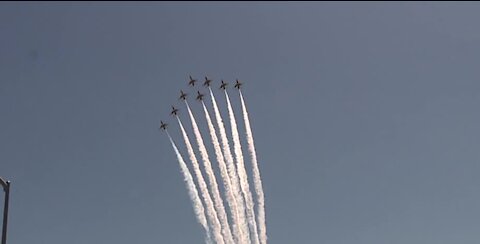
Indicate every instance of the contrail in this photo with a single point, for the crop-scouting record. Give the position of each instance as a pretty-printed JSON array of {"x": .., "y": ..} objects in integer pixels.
[
  {"x": 226, "y": 179},
  {"x": 256, "y": 175},
  {"x": 211, "y": 213},
  {"x": 227, "y": 234},
  {"x": 232, "y": 171},
  {"x": 242, "y": 173},
  {"x": 192, "y": 192}
]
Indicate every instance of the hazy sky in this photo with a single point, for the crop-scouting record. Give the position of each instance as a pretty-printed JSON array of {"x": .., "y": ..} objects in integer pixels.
[{"x": 365, "y": 115}]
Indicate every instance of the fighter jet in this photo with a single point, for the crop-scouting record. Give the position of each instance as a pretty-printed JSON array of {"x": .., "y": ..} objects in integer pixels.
[
  {"x": 223, "y": 85},
  {"x": 174, "y": 111},
  {"x": 207, "y": 82},
  {"x": 192, "y": 81},
  {"x": 163, "y": 125},
  {"x": 238, "y": 84},
  {"x": 182, "y": 95},
  {"x": 199, "y": 96}
]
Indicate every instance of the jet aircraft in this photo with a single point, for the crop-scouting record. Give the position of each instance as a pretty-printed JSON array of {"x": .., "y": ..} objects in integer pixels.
[
  {"x": 163, "y": 125},
  {"x": 223, "y": 85},
  {"x": 238, "y": 84},
  {"x": 199, "y": 96},
  {"x": 207, "y": 82},
  {"x": 174, "y": 111},
  {"x": 192, "y": 81},
  {"x": 182, "y": 95}
]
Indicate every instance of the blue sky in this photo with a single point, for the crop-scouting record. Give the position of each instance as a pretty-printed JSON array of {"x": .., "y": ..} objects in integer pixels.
[{"x": 365, "y": 117}]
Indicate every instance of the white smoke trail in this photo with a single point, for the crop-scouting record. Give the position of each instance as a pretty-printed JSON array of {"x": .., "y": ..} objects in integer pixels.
[
  {"x": 227, "y": 234},
  {"x": 226, "y": 179},
  {"x": 232, "y": 171},
  {"x": 242, "y": 173},
  {"x": 211, "y": 213},
  {"x": 192, "y": 192},
  {"x": 256, "y": 175}
]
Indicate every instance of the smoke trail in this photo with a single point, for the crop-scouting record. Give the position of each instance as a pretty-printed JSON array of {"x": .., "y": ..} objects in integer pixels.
[
  {"x": 227, "y": 234},
  {"x": 256, "y": 175},
  {"x": 192, "y": 192},
  {"x": 232, "y": 171},
  {"x": 242, "y": 173},
  {"x": 211, "y": 213},
  {"x": 226, "y": 179}
]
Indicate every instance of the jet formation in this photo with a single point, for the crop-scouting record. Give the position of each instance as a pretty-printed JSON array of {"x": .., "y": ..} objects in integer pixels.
[{"x": 199, "y": 97}]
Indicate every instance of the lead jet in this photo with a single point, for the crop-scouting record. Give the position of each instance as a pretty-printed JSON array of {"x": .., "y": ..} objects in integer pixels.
[
  {"x": 238, "y": 84},
  {"x": 207, "y": 82},
  {"x": 223, "y": 85},
  {"x": 182, "y": 95},
  {"x": 174, "y": 111},
  {"x": 163, "y": 125},
  {"x": 192, "y": 81},
  {"x": 199, "y": 96}
]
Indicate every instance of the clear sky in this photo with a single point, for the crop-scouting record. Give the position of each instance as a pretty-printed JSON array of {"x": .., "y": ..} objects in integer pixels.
[{"x": 365, "y": 115}]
